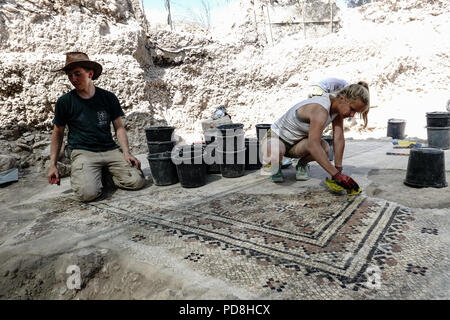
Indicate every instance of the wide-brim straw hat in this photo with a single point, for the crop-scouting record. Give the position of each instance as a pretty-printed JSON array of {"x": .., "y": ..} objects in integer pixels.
[{"x": 80, "y": 59}]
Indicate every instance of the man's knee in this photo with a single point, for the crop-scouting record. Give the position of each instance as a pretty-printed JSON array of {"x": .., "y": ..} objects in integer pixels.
[
  {"x": 133, "y": 180},
  {"x": 138, "y": 181},
  {"x": 87, "y": 193}
]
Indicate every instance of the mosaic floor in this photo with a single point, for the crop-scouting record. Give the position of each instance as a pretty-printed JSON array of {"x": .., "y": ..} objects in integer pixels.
[{"x": 308, "y": 245}]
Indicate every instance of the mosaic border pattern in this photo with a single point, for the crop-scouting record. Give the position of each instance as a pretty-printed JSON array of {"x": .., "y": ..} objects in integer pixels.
[{"x": 219, "y": 232}]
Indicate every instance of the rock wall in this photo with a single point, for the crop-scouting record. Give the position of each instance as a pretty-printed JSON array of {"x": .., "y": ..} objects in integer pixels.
[
  {"x": 109, "y": 31},
  {"x": 36, "y": 34},
  {"x": 404, "y": 62}
]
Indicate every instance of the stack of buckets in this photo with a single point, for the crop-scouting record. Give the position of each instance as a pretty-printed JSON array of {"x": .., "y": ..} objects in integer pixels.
[
  {"x": 160, "y": 146},
  {"x": 230, "y": 150},
  {"x": 426, "y": 166},
  {"x": 438, "y": 129}
]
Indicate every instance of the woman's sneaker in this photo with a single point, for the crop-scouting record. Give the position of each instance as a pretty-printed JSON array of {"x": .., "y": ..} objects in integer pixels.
[
  {"x": 302, "y": 172},
  {"x": 277, "y": 177}
]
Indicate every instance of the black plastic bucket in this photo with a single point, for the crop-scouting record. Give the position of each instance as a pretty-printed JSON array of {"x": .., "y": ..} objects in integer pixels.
[
  {"x": 159, "y": 133},
  {"x": 231, "y": 128},
  {"x": 252, "y": 156},
  {"x": 230, "y": 137},
  {"x": 329, "y": 140},
  {"x": 438, "y": 119},
  {"x": 210, "y": 151},
  {"x": 160, "y": 146},
  {"x": 233, "y": 165},
  {"x": 438, "y": 137},
  {"x": 163, "y": 170},
  {"x": 426, "y": 168},
  {"x": 261, "y": 129},
  {"x": 191, "y": 169},
  {"x": 396, "y": 128},
  {"x": 210, "y": 159},
  {"x": 210, "y": 135},
  {"x": 230, "y": 142}
]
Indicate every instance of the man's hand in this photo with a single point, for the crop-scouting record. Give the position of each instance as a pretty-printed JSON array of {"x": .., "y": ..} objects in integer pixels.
[
  {"x": 53, "y": 175},
  {"x": 133, "y": 162},
  {"x": 345, "y": 181}
]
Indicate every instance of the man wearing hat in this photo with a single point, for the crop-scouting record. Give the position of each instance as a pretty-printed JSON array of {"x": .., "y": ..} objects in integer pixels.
[{"x": 88, "y": 112}]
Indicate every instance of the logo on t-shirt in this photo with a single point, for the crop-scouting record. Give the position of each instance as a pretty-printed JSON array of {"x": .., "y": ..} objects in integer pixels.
[{"x": 102, "y": 118}]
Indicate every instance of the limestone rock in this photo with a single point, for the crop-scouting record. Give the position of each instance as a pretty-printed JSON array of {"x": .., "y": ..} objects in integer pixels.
[{"x": 7, "y": 162}]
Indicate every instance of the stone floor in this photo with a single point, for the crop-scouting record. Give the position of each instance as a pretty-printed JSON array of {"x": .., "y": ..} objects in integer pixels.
[{"x": 240, "y": 238}]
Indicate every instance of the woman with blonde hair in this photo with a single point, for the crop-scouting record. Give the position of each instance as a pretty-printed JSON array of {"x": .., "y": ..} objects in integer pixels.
[{"x": 298, "y": 133}]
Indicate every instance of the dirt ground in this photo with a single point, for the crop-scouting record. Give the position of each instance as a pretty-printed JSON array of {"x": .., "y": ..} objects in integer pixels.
[{"x": 388, "y": 184}]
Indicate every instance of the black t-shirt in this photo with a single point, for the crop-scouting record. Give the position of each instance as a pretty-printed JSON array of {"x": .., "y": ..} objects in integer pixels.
[{"x": 89, "y": 120}]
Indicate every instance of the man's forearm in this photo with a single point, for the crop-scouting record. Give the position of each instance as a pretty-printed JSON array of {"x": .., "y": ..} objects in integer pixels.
[
  {"x": 55, "y": 146},
  {"x": 123, "y": 140}
]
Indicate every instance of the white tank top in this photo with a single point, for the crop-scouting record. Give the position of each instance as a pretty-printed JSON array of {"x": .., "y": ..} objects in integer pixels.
[{"x": 293, "y": 129}]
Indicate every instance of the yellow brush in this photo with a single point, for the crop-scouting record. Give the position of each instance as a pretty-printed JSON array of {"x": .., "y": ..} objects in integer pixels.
[{"x": 333, "y": 186}]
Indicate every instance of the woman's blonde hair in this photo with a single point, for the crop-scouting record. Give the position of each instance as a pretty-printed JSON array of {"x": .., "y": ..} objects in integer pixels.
[{"x": 358, "y": 91}]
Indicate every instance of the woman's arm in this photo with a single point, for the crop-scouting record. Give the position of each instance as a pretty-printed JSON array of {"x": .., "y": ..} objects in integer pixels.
[
  {"x": 338, "y": 140},
  {"x": 317, "y": 117}
]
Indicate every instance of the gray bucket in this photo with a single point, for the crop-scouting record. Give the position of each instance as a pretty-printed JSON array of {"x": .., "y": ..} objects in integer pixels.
[
  {"x": 438, "y": 137},
  {"x": 396, "y": 128}
]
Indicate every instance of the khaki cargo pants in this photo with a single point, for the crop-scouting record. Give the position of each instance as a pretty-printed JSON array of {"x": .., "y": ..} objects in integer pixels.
[{"x": 86, "y": 172}]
